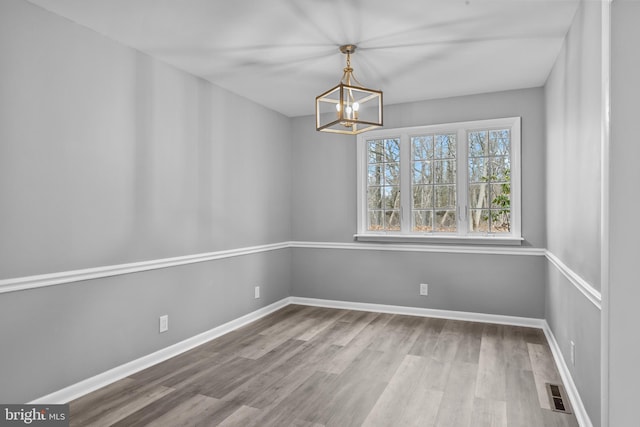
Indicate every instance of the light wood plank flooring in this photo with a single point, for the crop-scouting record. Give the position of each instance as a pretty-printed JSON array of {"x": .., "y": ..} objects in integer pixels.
[{"x": 310, "y": 366}]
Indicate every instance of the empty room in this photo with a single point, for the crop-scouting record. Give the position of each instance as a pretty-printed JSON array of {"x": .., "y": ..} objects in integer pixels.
[{"x": 319, "y": 213}]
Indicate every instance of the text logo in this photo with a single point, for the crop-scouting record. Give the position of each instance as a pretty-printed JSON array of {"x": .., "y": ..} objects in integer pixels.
[{"x": 34, "y": 415}]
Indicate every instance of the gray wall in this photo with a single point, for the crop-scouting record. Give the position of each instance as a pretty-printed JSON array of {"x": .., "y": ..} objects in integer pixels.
[
  {"x": 573, "y": 111},
  {"x": 573, "y": 118},
  {"x": 458, "y": 282},
  {"x": 324, "y": 210},
  {"x": 324, "y": 188},
  {"x": 622, "y": 312},
  {"x": 56, "y": 336},
  {"x": 572, "y": 317},
  {"x": 108, "y": 156}
]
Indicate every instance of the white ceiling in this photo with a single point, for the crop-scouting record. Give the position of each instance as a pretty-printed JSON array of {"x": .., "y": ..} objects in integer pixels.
[{"x": 283, "y": 53}]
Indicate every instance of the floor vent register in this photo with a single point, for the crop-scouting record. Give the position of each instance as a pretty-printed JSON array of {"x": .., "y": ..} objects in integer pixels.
[{"x": 558, "y": 398}]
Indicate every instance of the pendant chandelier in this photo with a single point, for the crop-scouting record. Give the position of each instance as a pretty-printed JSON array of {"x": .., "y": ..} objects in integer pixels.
[{"x": 349, "y": 108}]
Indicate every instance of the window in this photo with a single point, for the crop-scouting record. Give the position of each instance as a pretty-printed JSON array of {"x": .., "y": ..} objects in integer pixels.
[{"x": 451, "y": 182}]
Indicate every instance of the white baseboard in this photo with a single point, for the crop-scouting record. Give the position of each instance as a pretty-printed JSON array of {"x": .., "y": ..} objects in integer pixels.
[
  {"x": 83, "y": 387},
  {"x": 567, "y": 380},
  {"x": 101, "y": 380},
  {"x": 423, "y": 312}
]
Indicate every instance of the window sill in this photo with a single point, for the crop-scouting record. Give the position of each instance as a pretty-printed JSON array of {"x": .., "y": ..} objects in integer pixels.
[{"x": 466, "y": 240}]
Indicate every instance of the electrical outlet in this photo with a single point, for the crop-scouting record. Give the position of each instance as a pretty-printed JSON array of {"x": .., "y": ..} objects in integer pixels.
[
  {"x": 424, "y": 289},
  {"x": 256, "y": 292},
  {"x": 573, "y": 353},
  {"x": 164, "y": 323}
]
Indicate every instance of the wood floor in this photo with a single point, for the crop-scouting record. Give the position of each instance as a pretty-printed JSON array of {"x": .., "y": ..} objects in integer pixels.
[{"x": 310, "y": 366}]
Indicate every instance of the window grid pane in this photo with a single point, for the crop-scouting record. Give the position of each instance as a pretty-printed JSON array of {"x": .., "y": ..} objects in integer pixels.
[
  {"x": 383, "y": 185},
  {"x": 489, "y": 181},
  {"x": 433, "y": 183},
  {"x": 422, "y": 220}
]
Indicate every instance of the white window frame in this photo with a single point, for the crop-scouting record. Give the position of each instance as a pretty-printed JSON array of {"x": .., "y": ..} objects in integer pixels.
[{"x": 463, "y": 235}]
